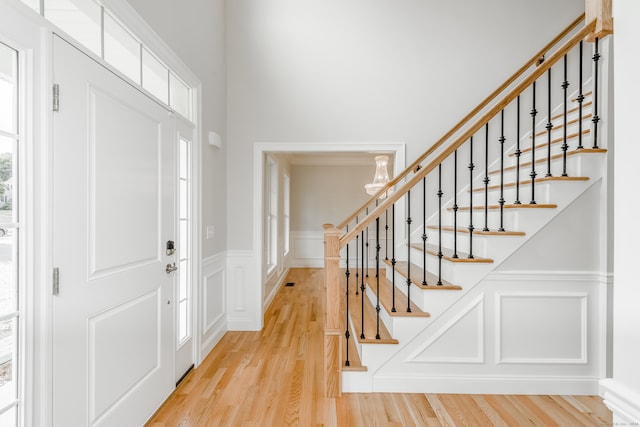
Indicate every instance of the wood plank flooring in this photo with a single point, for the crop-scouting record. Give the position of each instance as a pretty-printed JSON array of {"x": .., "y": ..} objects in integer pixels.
[{"x": 274, "y": 378}]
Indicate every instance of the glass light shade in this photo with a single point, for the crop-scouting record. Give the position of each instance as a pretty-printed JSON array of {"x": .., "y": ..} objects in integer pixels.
[{"x": 380, "y": 179}]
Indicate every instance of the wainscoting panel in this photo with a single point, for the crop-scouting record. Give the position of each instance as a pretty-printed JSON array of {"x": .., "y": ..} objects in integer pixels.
[
  {"x": 244, "y": 292},
  {"x": 213, "y": 308}
]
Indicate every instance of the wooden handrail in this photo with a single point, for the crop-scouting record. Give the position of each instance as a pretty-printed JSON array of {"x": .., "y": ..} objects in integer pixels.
[
  {"x": 508, "y": 98},
  {"x": 534, "y": 59}
]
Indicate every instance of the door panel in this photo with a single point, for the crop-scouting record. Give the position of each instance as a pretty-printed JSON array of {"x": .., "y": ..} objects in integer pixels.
[{"x": 113, "y": 204}]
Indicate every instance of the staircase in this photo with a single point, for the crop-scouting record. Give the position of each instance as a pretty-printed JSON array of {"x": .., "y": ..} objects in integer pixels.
[{"x": 456, "y": 301}]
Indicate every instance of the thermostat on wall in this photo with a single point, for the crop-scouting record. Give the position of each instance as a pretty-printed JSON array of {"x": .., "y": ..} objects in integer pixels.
[{"x": 215, "y": 140}]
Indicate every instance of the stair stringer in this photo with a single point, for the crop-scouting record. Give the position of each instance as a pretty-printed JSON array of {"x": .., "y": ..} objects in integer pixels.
[{"x": 382, "y": 360}]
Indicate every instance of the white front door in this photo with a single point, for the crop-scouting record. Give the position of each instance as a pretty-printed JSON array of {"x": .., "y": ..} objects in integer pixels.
[{"x": 114, "y": 201}]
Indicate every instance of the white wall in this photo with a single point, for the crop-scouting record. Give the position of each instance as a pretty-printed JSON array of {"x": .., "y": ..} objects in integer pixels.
[
  {"x": 366, "y": 70},
  {"x": 195, "y": 31},
  {"x": 622, "y": 393}
]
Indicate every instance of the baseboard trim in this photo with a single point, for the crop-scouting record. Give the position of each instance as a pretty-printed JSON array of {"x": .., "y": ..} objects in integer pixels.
[{"x": 623, "y": 401}]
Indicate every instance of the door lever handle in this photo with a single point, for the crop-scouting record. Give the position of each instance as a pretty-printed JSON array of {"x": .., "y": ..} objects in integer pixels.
[{"x": 171, "y": 268}]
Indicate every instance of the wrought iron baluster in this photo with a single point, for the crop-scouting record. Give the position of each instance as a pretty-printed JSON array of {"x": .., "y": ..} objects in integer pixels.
[
  {"x": 501, "y": 200},
  {"x": 347, "y": 334},
  {"x": 596, "y": 118},
  {"x": 580, "y": 99},
  {"x": 386, "y": 234},
  {"x": 362, "y": 289},
  {"x": 455, "y": 203},
  {"x": 424, "y": 231},
  {"x": 471, "y": 167},
  {"x": 378, "y": 278},
  {"x": 549, "y": 125},
  {"x": 440, "y": 224},
  {"x": 357, "y": 258},
  {"x": 533, "y": 173},
  {"x": 409, "y": 251},
  {"x": 565, "y": 86},
  {"x": 366, "y": 262},
  {"x": 518, "y": 152},
  {"x": 486, "y": 178},
  {"x": 393, "y": 258}
]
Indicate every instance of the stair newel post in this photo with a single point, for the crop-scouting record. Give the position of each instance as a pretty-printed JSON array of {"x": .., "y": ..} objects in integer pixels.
[
  {"x": 440, "y": 193},
  {"x": 347, "y": 273},
  {"x": 424, "y": 231},
  {"x": 596, "y": 118},
  {"x": 471, "y": 167},
  {"x": 501, "y": 200},
  {"x": 486, "y": 178},
  {"x": 357, "y": 258},
  {"x": 332, "y": 328},
  {"x": 580, "y": 99},
  {"x": 533, "y": 173},
  {"x": 565, "y": 86},
  {"x": 518, "y": 152},
  {"x": 455, "y": 203},
  {"x": 378, "y": 278},
  {"x": 549, "y": 125},
  {"x": 393, "y": 258},
  {"x": 409, "y": 251}
]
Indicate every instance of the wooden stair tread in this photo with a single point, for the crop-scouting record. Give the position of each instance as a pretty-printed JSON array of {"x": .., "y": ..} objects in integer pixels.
[
  {"x": 554, "y": 157},
  {"x": 574, "y": 109},
  {"x": 448, "y": 254},
  {"x": 417, "y": 275},
  {"x": 386, "y": 300},
  {"x": 553, "y": 142},
  {"x": 480, "y": 232},
  {"x": 510, "y": 206},
  {"x": 528, "y": 181},
  {"x": 561, "y": 125},
  {"x": 355, "y": 312}
]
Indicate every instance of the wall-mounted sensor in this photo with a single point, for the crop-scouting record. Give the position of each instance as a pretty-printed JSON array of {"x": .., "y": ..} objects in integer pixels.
[{"x": 215, "y": 140}]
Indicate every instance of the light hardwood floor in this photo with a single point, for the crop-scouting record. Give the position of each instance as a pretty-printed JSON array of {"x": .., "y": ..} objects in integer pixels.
[{"x": 274, "y": 378}]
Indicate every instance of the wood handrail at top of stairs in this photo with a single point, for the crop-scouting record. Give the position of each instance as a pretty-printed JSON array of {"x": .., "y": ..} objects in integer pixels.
[
  {"x": 534, "y": 59},
  {"x": 508, "y": 98}
]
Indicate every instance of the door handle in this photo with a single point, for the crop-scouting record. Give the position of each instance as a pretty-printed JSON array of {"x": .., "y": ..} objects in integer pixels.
[{"x": 171, "y": 268}]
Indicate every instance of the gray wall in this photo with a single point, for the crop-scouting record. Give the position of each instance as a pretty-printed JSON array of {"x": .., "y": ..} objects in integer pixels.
[
  {"x": 366, "y": 70},
  {"x": 195, "y": 30}
]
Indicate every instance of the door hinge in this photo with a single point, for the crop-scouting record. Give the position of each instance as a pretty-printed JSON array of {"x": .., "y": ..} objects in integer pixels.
[
  {"x": 56, "y": 97},
  {"x": 56, "y": 281}
]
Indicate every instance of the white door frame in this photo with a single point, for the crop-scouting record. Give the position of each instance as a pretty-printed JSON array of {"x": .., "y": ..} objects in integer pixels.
[{"x": 259, "y": 151}]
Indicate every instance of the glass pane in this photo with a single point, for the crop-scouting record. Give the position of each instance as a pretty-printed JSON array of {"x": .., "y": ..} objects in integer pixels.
[
  {"x": 183, "y": 199},
  {"x": 120, "y": 49},
  {"x": 180, "y": 99},
  {"x": 8, "y": 390},
  {"x": 7, "y": 181},
  {"x": 78, "y": 18},
  {"x": 155, "y": 76},
  {"x": 184, "y": 241},
  {"x": 33, "y": 4},
  {"x": 183, "y": 325},
  {"x": 184, "y": 273},
  {"x": 184, "y": 158},
  {"x": 8, "y": 93},
  {"x": 8, "y": 418},
  {"x": 8, "y": 294}
]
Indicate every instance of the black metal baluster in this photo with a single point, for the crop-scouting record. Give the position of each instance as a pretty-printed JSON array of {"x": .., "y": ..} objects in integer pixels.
[
  {"x": 596, "y": 117},
  {"x": 518, "y": 152},
  {"x": 347, "y": 334},
  {"x": 357, "y": 257},
  {"x": 366, "y": 265},
  {"x": 486, "y": 178},
  {"x": 409, "y": 251},
  {"x": 533, "y": 173},
  {"x": 580, "y": 100},
  {"x": 424, "y": 231},
  {"x": 362, "y": 288},
  {"x": 565, "y": 86},
  {"x": 471, "y": 167},
  {"x": 549, "y": 125},
  {"x": 378, "y": 278},
  {"x": 393, "y": 258},
  {"x": 455, "y": 204},
  {"x": 501, "y": 200},
  {"x": 386, "y": 234},
  {"x": 440, "y": 225}
]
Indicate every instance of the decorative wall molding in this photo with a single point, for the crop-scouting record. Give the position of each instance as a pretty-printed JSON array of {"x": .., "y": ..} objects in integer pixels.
[
  {"x": 549, "y": 325},
  {"x": 244, "y": 293},
  {"x": 550, "y": 276},
  {"x": 473, "y": 311},
  {"x": 213, "y": 307},
  {"x": 623, "y": 402}
]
